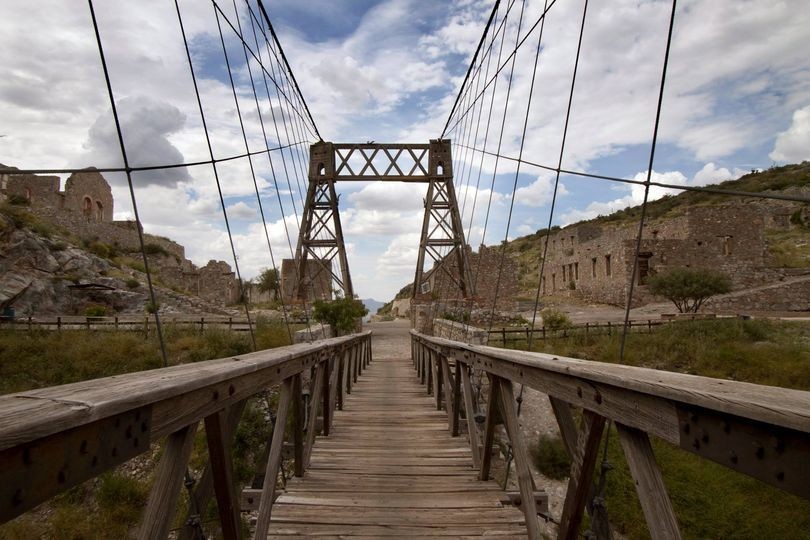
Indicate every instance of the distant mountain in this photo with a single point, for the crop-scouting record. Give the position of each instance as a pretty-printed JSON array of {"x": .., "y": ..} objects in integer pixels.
[{"x": 372, "y": 305}]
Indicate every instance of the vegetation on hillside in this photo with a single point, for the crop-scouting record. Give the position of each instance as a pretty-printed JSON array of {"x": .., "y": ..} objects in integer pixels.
[
  {"x": 341, "y": 314},
  {"x": 710, "y": 501}
]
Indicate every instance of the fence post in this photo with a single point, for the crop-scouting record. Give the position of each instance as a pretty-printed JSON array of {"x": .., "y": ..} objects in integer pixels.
[
  {"x": 30, "y": 324},
  {"x": 610, "y": 332},
  {"x": 230, "y": 323},
  {"x": 59, "y": 324},
  {"x": 503, "y": 334},
  {"x": 202, "y": 324}
]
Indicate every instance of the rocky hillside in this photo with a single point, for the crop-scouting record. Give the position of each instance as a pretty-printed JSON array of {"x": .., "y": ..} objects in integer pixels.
[{"x": 47, "y": 271}]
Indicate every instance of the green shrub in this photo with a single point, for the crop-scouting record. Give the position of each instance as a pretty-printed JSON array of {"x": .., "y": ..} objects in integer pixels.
[
  {"x": 152, "y": 307},
  {"x": 95, "y": 310},
  {"x": 554, "y": 319},
  {"x": 133, "y": 283},
  {"x": 341, "y": 314},
  {"x": 689, "y": 288},
  {"x": 155, "y": 249},
  {"x": 551, "y": 457}
]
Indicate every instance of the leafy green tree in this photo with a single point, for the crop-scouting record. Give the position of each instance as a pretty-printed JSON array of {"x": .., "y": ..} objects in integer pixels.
[
  {"x": 689, "y": 288},
  {"x": 340, "y": 314},
  {"x": 268, "y": 281}
]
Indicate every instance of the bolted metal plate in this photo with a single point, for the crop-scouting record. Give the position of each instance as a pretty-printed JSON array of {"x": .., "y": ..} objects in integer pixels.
[
  {"x": 34, "y": 472},
  {"x": 777, "y": 456}
]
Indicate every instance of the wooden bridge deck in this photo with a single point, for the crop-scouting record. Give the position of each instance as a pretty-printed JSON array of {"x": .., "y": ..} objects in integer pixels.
[{"x": 390, "y": 468}]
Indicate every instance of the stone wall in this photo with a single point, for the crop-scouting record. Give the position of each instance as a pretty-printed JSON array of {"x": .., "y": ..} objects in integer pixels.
[
  {"x": 594, "y": 261},
  {"x": 460, "y": 332},
  {"x": 401, "y": 307},
  {"x": 315, "y": 332},
  {"x": 485, "y": 269},
  {"x": 319, "y": 282}
]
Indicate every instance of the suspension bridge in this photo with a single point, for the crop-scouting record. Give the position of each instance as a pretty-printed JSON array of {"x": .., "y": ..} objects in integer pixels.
[{"x": 393, "y": 432}]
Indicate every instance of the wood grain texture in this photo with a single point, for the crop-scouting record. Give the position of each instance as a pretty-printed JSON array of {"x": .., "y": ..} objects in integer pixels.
[
  {"x": 168, "y": 481},
  {"x": 219, "y": 454},
  {"x": 390, "y": 468},
  {"x": 581, "y": 478},
  {"x": 652, "y": 494}
]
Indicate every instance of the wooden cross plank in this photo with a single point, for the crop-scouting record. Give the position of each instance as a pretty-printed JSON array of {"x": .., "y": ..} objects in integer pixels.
[
  {"x": 489, "y": 430},
  {"x": 222, "y": 469},
  {"x": 168, "y": 481},
  {"x": 469, "y": 412},
  {"x": 652, "y": 494}
]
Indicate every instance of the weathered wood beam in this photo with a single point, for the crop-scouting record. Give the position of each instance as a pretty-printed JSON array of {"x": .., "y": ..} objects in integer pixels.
[
  {"x": 469, "y": 411},
  {"x": 168, "y": 481},
  {"x": 219, "y": 454},
  {"x": 489, "y": 431},
  {"x": 524, "y": 475},
  {"x": 581, "y": 478},
  {"x": 652, "y": 494},
  {"x": 274, "y": 461}
]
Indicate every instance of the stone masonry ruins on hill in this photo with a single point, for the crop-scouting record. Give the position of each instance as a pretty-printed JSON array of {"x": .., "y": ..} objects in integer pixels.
[{"x": 85, "y": 208}]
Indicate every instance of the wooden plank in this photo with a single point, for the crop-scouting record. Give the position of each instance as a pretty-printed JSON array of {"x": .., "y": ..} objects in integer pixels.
[
  {"x": 204, "y": 488},
  {"x": 448, "y": 385},
  {"x": 298, "y": 425},
  {"x": 489, "y": 431},
  {"x": 469, "y": 411},
  {"x": 222, "y": 471},
  {"x": 168, "y": 481},
  {"x": 652, "y": 493},
  {"x": 520, "y": 453},
  {"x": 580, "y": 480},
  {"x": 314, "y": 403},
  {"x": 455, "y": 424},
  {"x": 274, "y": 461},
  {"x": 566, "y": 423},
  {"x": 326, "y": 396}
]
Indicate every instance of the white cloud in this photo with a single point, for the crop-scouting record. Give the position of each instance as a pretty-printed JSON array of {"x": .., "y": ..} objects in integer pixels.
[
  {"x": 793, "y": 145},
  {"x": 709, "y": 174},
  {"x": 539, "y": 192},
  {"x": 241, "y": 210}
]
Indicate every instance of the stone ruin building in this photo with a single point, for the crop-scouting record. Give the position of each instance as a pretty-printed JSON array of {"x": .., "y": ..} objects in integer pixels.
[
  {"x": 594, "y": 260},
  {"x": 85, "y": 208},
  {"x": 319, "y": 280}
]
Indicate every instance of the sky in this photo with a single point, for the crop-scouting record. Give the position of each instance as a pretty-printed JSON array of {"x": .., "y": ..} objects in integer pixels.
[{"x": 737, "y": 98}]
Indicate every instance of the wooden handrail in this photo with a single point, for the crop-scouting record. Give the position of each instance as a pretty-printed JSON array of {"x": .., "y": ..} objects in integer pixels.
[
  {"x": 761, "y": 431},
  {"x": 54, "y": 438}
]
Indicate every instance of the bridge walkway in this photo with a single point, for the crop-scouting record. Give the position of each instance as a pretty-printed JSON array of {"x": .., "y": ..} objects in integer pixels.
[{"x": 390, "y": 467}]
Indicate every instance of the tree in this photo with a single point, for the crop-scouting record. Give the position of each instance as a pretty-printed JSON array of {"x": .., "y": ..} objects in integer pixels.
[
  {"x": 689, "y": 288},
  {"x": 341, "y": 314},
  {"x": 268, "y": 281}
]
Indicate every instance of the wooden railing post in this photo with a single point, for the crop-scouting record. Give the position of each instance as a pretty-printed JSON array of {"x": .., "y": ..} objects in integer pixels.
[
  {"x": 274, "y": 460},
  {"x": 582, "y": 466},
  {"x": 489, "y": 430},
  {"x": 326, "y": 392},
  {"x": 469, "y": 412},
  {"x": 652, "y": 494},
  {"x": 447, "y": 389},
  {"x": 298, "y": 424},
  {"x": 168, "y": 480},
  {"x": 455, "y": 427},
  {"x": 437, "y": 377},
  {"x": 520, "y": 453},
  {"x": 314, "y": 402},
  {"x": 222, "y": 469},
  {"x": 340, "y": 374}
]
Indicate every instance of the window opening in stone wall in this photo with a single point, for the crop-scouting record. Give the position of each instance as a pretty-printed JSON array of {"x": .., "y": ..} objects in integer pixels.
[
  {"x": 572, "y": 241},
  {"x": 571, "y": 272},
  {"x": 593, "y": 267},
  {"x": 99, "y": 211},
  {"x": 87, "y": 208},
  {"x": 563, "y": 269},
  {"x": 727, "y": 245},
  {"x": 576, "y": 271},
  {"x": 28, "y": 195},
  {"x": 607, "y": 265},
  {"x": 643, "y": 267},
  {"x": 553, "y": 282}
]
